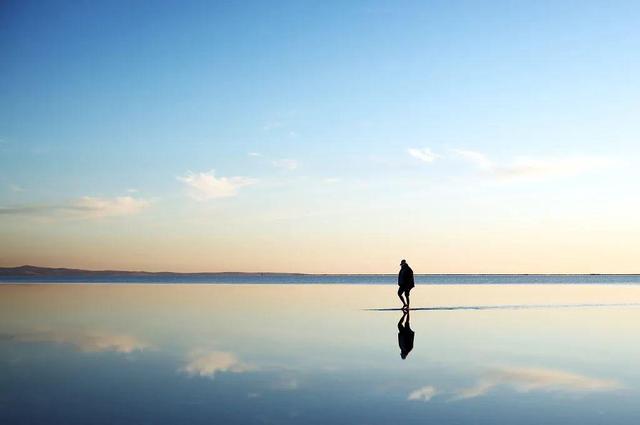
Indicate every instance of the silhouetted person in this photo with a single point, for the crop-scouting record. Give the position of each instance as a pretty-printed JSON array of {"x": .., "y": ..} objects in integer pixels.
[
  {"x": 405, "y": 283},
  {"x": 405, "y": 336}
]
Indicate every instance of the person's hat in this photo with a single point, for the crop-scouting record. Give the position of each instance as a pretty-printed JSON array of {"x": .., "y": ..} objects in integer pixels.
[{"x": 403, "y": 262}]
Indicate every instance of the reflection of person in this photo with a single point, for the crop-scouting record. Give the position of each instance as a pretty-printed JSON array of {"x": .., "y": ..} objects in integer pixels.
[
  {"x": 405, "y": 336},
  {"x": 405, "y": 283}
]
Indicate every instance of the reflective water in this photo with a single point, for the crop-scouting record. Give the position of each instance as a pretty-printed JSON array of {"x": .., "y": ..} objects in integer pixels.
[{"x": 156, "y": 354}]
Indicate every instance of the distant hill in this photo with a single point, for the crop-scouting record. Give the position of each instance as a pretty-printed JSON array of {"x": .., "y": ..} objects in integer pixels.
[{"x": 35, "y": 271}]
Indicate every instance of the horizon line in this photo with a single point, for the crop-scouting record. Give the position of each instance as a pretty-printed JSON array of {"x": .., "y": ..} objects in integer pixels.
[{"x": 70, "y": 269}]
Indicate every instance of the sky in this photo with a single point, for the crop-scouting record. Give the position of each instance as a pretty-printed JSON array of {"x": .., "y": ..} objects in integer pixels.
[{"x": 321, "y": 137}]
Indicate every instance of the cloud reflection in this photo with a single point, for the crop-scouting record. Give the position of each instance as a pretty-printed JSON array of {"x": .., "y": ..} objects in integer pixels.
[
  {"x": 208, "y": 363},
  {"x": 87, "y": 341},
  {"x": 285, "y": 384},
  {"x": 537, "y": 379},
  {"x": 424, "y": 393}
]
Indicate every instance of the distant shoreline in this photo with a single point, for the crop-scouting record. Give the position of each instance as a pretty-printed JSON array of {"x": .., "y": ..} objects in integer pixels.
[
  {"x": 37, "y": 275},
  {"x": 37, "y": 271}
]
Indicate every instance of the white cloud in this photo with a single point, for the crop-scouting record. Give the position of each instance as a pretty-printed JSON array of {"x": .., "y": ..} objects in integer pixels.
[
  {"x": 16, "y": 188},
  {"x": 87, "y": 341},
  {"x": 87, "y": 207},
  {"x": 424, "y": 393},
  {"x": 423, "y": 154},
  {"x": 109, "y": 207},
  {"x": 205, "y": 186},
  {"x": 537, "y": 379},
  {"x": 254, "y": 154},
  {"x": 208, "y": 363},
  {"x": 286, "y": 163},
  {"x": 533, "y": 168}
]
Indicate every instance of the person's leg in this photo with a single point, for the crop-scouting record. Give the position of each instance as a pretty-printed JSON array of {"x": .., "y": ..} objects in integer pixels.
[
  {"x": 400, "y": 290},
  {"x": 400, "y": 324},
  {"x": 406, "y": 294}
]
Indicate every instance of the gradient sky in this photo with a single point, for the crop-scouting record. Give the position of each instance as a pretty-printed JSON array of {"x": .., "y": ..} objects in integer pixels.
[{"x": 322, "y": 136}]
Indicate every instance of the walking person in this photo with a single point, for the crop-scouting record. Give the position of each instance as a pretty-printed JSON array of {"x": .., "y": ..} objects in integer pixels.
[
  {"x": 405, "y": 335},
  {"x": 405, "y": 283}
]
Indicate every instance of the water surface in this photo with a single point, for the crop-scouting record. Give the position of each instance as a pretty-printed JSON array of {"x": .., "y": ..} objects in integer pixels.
[{"x": 256, "y": 354}]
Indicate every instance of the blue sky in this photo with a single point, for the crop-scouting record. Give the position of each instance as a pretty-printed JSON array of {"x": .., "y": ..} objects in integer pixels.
[{"x": 278, "y": 135}]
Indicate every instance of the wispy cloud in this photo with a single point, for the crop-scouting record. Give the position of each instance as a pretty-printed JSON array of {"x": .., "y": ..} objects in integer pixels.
[
  {"x": 533, "y": 168},
  {"x": 478, "y": 159},
  {"x": 30, "y": 209},
  {"x": 286, "y": 163},
  {"x": 423, "y": 394},
  {"x": 289, "y": 164},
  {"x": 86, "y": 207},
  {"x": 272, "y": 125},
  {"x": 205, "y": 186},
  {"x": 209, "y": 363},
  {"x": 331, "y": 180},
  {"x": 537, "y": 379},
  {"x": 87, "y": 341},
  {"x": 423, "y": 154},
  {"x": 110, "y": 207}
]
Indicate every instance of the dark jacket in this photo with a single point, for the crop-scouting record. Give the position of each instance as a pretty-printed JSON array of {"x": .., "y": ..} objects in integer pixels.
[
  {"x": 405, "y": 277},
  {"x": 405, "y": 339}
]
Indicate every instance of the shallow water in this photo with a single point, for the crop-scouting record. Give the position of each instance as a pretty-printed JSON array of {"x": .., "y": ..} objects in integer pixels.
[{"x": 482, "y": 354}]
